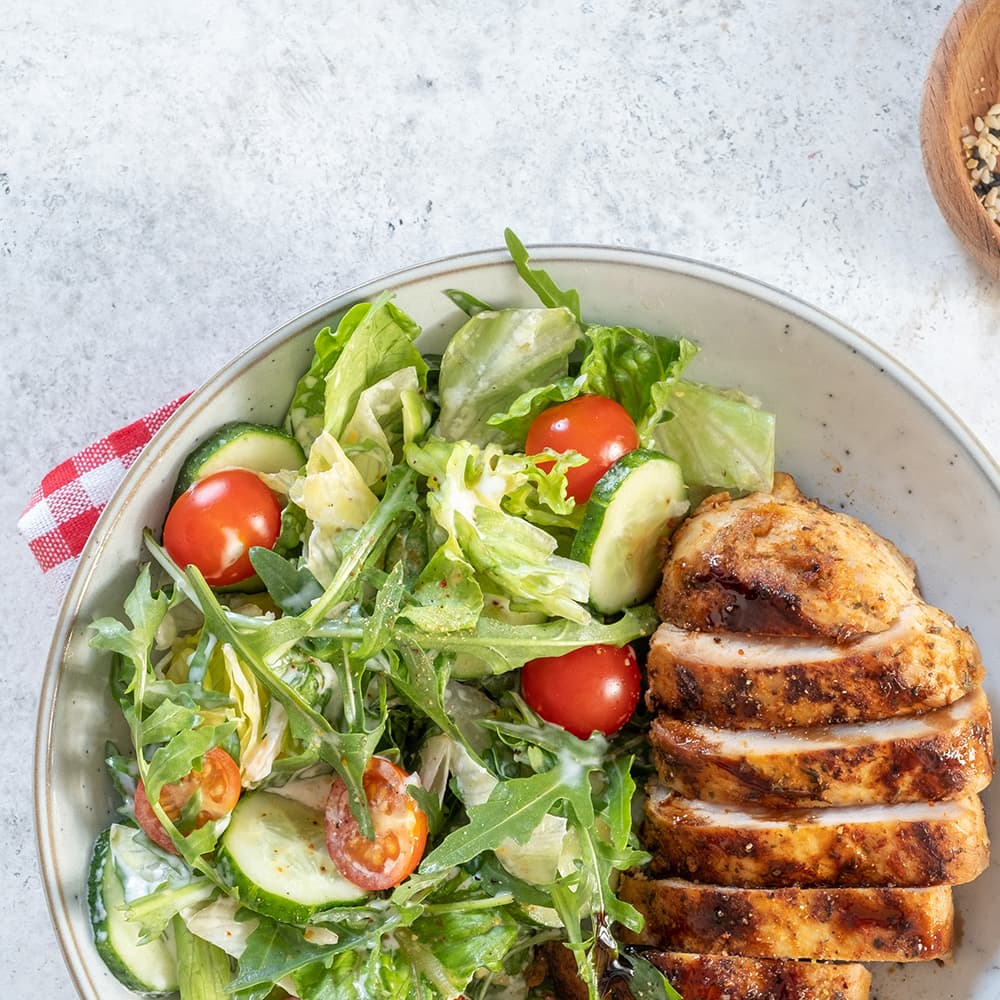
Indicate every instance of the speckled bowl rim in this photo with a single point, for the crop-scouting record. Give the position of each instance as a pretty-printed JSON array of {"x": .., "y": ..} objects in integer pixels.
[{"x": 460, "y": 263}]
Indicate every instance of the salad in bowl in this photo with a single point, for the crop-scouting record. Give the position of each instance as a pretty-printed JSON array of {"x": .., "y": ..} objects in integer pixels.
[{"x": 379, "y": 670}]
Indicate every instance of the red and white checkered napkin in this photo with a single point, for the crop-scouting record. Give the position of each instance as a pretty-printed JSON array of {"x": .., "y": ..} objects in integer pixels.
[{"x": 65, "y": 506}]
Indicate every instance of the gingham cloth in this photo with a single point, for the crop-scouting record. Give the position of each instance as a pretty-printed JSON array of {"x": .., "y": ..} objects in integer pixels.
[{"x": 66, "y": 504}]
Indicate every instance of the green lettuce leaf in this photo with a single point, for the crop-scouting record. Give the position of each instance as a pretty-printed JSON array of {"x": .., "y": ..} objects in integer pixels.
[
  {"x": 492, "y": 360},
  {"x": 516, "y": 420},
  {"x": 719, "y": 438},
  {"x": 446, "y": 595},
  {"x": 305, "y": 414},
  {"x": 379, "y": 346}
]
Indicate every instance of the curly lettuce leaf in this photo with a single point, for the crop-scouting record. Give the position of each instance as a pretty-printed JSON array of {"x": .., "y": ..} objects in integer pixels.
[
  {"x": 625, "y": 364},
  {"x": 466, "y": 489},
  {"x": 335, "y": 497},
  {"x": 305, "y": 413}
]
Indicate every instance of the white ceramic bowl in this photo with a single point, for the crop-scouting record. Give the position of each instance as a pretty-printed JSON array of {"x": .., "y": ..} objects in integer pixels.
[{"x": 854, "y": 427}]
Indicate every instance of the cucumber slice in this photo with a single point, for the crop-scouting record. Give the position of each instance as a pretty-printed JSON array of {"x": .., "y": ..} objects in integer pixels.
[
  {"x": 149, "y": 968},
  {"x": 624, "y": 524},
  {"x": 274, "y": 855},
  {"x": 241, "y": 445}
]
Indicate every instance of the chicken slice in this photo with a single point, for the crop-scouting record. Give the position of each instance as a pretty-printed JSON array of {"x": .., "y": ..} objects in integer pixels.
[
  {"x": 729, "y": 977},
  {"x": 907, "y": 844},
  {"x": 922, "y": 661},
  {"x": 780, "y": 564},
  {"x": 943, "y": 754},
  {"x": 851, "y": 925}
]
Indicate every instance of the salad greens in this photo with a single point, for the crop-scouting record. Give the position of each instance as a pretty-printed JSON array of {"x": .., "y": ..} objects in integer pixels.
[{"x": 423, "y": 559}]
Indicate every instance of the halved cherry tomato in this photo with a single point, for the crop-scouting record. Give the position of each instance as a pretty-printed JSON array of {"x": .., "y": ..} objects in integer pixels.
[
  {"x": 219, "y": 782},
  {"x": 214, "y": 523},
  {"x": 597, "y": 427},
  {"x": 400, "y": 828},
  {"x": 591, "y": 688}
]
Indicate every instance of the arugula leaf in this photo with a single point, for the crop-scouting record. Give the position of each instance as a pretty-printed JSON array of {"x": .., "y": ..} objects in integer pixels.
[
  {"x": 423, "y": 684},
  {"x": 293, "y": 588},
  {"x": 496, "y": 646},
  {"x": 145, "y": 610},
  {"x": 275, "y": 950},
  {"x": 467, "y": 302},
  {"x": 167, "y": 721},
  {"x": 548, "y": 292},
  {"x": 513, "y": 811},
  {"x": 631, "y": 976}
]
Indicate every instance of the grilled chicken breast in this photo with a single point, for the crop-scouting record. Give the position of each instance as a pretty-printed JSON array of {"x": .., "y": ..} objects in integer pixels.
[
  {"x": 908, "y": 844},
  {"x": 780, "y": 564},
  {"x": 923, "y": 660},
  {"x": 820, "y": 736},
  {"x": 857, "y": 925},
  {"x": 943, "y": 754},
  {"x": 729, "y": 977},
  {"x": 726, "y": 977}
]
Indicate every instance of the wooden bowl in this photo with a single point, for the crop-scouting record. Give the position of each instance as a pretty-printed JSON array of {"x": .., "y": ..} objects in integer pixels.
[{"x": 963, "y": 81}]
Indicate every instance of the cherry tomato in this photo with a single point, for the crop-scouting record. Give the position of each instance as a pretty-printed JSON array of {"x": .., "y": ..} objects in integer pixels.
[
  {"x": 597, "y": 427},
  {"x": 590, "y": 688},
  {"x": 213, "y": 524},
  {"x": 219, "y": 782},
  {"x": 400, "y": 829}
]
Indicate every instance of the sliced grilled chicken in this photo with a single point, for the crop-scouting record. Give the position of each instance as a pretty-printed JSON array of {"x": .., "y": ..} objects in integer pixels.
[
  {"x": 729, "y": 977},
  {"x": 922, "y": 661},
  {"x": 943, "y": 754},
  {"x": 908, "y": 844},
  {"x": 853, "y": 925},
  {"x": 779, "y": 564}
]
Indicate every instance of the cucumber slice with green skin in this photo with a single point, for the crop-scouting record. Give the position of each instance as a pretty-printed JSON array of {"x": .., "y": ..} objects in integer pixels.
[
  {"x": 274, "y": 855},
  {"x": 151, "y": 968},
  {"x": 241, "y": 445},
  {"x": 624, "y": 523}
]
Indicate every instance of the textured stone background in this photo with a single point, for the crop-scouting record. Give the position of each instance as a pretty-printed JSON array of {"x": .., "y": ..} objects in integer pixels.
[{"x": 176, "y": 179}]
